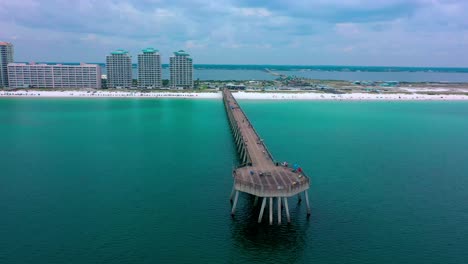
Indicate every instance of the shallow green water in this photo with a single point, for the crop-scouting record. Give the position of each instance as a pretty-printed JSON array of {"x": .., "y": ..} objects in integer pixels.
[{"x": 142, "y": 181}]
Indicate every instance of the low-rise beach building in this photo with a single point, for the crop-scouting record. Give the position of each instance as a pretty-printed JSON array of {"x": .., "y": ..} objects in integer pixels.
[
  {"x": 232, "y": 86},
  {"x": 22, "y": 75}
]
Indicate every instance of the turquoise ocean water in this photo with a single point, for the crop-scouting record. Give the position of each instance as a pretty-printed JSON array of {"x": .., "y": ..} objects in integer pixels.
[{"x": 148, "y": 180}]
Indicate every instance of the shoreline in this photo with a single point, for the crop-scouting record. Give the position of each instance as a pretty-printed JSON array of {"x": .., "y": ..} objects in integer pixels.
[
  {"x": 110, "y": 94},
  {"x": 311, "y": 96},
  {"x": 350, "y": 96}
]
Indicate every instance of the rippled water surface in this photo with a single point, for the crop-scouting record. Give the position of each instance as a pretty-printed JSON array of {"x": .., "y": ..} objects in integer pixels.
[{"x": 148, "y": 180}]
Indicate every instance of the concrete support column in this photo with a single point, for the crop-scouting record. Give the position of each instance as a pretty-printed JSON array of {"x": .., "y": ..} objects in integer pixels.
[
  {"x": 244, "y": 156},
  {"x": 279, "y": 210},
  {"x": 232, "y": 192},
  {"x": 271, "y": 210},
  {"x": 286, "y": 208},
  {"x": 260, "y": 216},
  {"x": 235, "y": 203},
  {"x": 307, "y": 202}
]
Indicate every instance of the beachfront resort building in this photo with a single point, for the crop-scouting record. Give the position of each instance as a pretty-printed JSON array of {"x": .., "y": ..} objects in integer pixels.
[
  {"x": 149, "y": 69},
  {"x": 181, "y": 68},
  {"x": 6, "y": 56},
  {"x": 22, "y": 75},
  {"x": 119, "y": 69}
]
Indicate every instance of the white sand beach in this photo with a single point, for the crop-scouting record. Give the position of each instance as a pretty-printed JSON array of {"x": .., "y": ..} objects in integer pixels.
[
  {"x": 350, "y": 96},
  {"x": 239, "y": 95}
]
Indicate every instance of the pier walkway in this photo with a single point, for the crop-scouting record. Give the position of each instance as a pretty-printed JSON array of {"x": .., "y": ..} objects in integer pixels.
[{"x": 259, "y": 174}]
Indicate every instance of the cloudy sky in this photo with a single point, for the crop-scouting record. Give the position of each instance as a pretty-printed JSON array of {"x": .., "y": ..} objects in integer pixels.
[{"x": 311, "y": 32}]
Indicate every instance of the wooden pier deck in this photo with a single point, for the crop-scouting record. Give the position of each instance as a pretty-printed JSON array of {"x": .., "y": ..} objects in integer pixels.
[{"x": 259, "y": 174}]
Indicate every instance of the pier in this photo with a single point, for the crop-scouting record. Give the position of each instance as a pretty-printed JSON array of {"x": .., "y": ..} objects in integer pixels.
[{"x": 259, "y": 174}]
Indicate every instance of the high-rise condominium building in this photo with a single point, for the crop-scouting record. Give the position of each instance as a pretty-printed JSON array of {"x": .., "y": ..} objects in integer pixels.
[
  {"x": 149, "y": 69},
  {"x": 6, "y": 56},
  {"x": 119, "y": 69},
  {"x": 181, "y": 68},
  {"x": 22, "y": 75}
]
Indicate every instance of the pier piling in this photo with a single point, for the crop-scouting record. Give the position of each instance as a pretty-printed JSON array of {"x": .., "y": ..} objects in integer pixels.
[
  {"x": 279, "y": 210},
  {"x": 235, "y": 203},
  {"x": 271, "y": 210},
  {"x": 286, "y": 208},
  {"x": 262, "y": 209},
  {"x": 307, "y": 202},
  {"x": 232, "y": 193}
]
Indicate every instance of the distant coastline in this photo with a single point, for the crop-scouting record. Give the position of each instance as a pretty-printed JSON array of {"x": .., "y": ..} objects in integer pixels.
[
  {"x": 277, "y": 67},
  {"x": 237, "y": 72}
]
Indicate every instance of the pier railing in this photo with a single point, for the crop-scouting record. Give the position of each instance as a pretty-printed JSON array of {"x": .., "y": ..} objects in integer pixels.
[
  {"x": 254, "y": 130},
  {"x": 258, "y": 136},
  {"x": 235, "y": 126},
  {"x": 271, "y": 179}
]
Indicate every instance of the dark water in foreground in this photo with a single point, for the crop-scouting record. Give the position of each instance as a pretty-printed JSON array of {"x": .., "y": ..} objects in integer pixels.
[{"x": 147, "y": 181}]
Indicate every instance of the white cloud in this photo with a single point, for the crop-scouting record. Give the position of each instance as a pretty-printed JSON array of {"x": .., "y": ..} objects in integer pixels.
[
  {"x": 252, "y": 12},
  {"x": 347, "y": 29},
  {"x": 193, "y": 44}
]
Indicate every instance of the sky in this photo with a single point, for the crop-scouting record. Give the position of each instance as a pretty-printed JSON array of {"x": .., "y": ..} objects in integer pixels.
[{"x": 299, "y": 32}]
